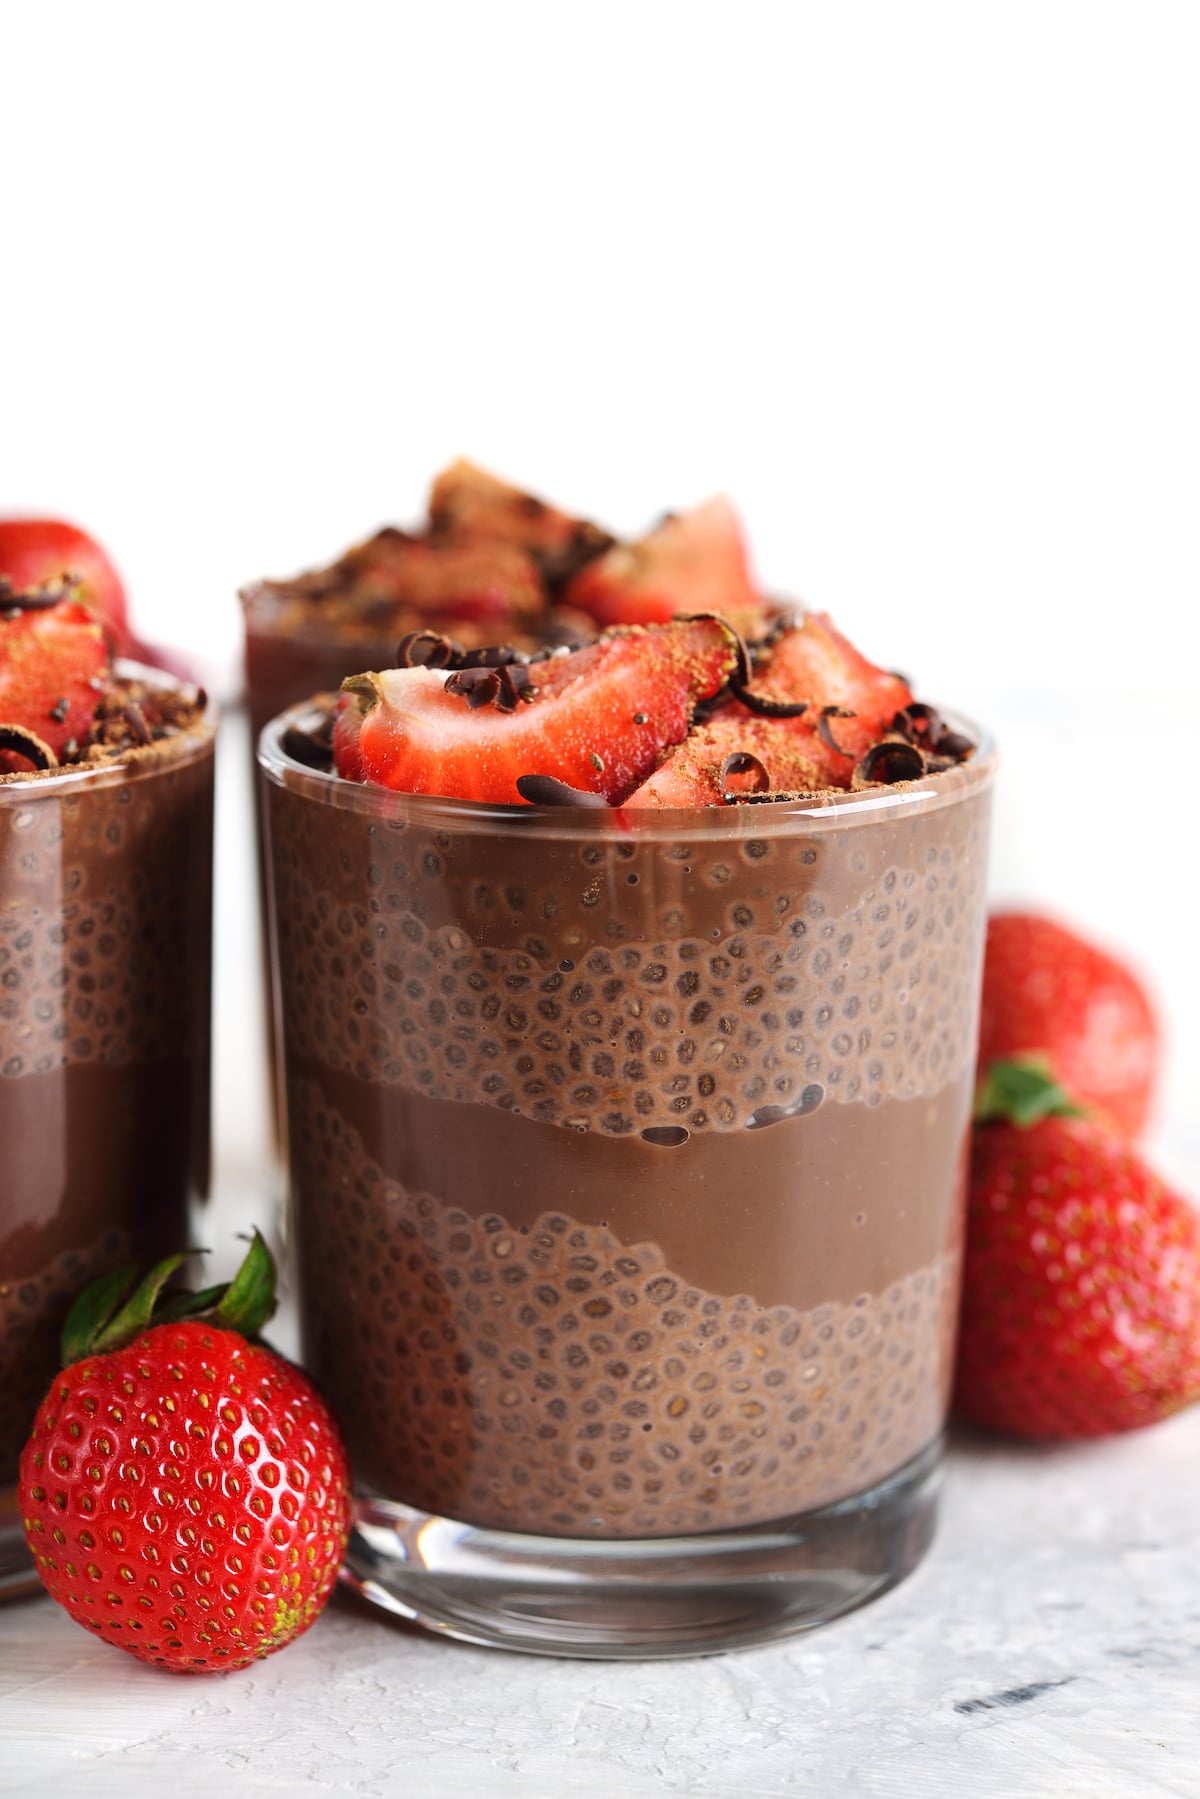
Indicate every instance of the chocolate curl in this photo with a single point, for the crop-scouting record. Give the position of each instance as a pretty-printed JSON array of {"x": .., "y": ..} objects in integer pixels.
[
  {"x": 887, "y": 763},
  {"x": 547, "y": 790},
  {"x": 311, "y": 748},
  {"x": 501, "y": 686},
  {"x": 428, "y": 649},
  {"x": 742, "y": 773},
  {"x": 825, "y": 732},
  {"x": 37, "y": 599},
  {"x": 954, "y": 745},
  {"x": 493, "y": 655},
  {"x": 923, "y": 726},
  {"x": 763, "y": 704},
  {"x": 28, "y": 744}
]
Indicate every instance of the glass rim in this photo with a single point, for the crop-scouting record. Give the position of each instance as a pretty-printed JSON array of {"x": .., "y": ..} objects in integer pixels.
[
  {"x": 53, "y": 783},
  {"x": 808, "y": 814}
]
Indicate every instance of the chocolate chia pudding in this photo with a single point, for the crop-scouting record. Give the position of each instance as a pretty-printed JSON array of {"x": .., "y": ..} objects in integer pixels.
[
  {"x": 105, "y": 915},
  {"x": 627, "y": 1148}
]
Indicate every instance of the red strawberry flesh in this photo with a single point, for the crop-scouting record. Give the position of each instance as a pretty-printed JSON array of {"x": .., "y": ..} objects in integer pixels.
[
  {"x": 733, "y": 753},
  {"x": 598, "y": 721},
  {"x": 694, "y": 562},
  {"x": 812, "y": 661},
  {"x": 52, "y": 663}
]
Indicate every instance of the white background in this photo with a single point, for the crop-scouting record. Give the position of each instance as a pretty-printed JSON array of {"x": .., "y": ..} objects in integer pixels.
[{"x": 918, "y": 284}]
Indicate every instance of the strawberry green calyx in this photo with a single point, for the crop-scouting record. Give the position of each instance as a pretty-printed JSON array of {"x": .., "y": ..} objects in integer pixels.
[
  {"x": 1020, "y": 1092},
  {"x": 116, "y": 1308},
  {"x": 366, "y": 689}
]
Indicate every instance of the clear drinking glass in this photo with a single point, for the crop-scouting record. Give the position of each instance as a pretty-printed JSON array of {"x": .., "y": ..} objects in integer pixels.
[
  {"x": 105, "y": 934},
  {"x": 627, "y": 1162}
]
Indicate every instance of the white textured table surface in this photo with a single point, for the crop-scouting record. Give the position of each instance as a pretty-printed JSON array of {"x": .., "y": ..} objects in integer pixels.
[{"x": 1049, "y": 1646}]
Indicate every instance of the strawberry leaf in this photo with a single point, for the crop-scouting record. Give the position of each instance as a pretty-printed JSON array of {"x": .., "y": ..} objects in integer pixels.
[
  {"x": 107, "y": 1314},
  {"x": 93, "y": 1308},
  {"x": 249, "y": 1299},
  {"x": 175, "y": 1307},
  {"x": 1021, "y": 1092},
  {"x": 137, "y": 1314}
]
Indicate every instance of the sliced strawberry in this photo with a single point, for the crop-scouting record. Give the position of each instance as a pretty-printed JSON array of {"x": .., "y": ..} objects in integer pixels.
[
  {"x": 850, "y": 702},
  {"x": 595, "y": 720},
  {"x": 40, "y": 552},
  {"x": 734, "y": 753},
  {"x": 467, "y": 505},
  {"x": 52, "y": 662},
  {"x": 694, "y": 562}
]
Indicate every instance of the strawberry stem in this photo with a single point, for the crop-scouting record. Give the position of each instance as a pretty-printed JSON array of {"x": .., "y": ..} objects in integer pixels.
[
  {"x": 112, "y": 1311},
  {"x": 1021, "y": 1092}
]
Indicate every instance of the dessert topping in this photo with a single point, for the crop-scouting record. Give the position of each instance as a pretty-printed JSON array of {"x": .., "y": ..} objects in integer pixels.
[{"x": 408, "y": 728}]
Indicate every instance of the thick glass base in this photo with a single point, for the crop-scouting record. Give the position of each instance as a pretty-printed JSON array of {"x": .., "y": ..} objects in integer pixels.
[
  {"x": 630, "y": 1600},
  {"x": 18, "y": 1576}
]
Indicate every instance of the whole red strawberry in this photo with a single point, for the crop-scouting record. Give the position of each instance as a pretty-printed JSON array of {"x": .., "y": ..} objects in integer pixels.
[
  {"x": 185, "y": 1491},
  {"x": 1081, "y": 1284},
  {"x": 1048, "y": 993}
]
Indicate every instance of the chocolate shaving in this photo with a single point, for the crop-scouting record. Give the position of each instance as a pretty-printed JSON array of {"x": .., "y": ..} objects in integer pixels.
[
  {"x": 924, "y": 726},
  {"x": 743, "y": 674},
  {"x": 135, "y": 718},
  {"x": 15, "y": 600},
  {"x": 478, "y": 686},
  {"x": 887, "y": 763},
  {"x": 428, "y": 649},
  {"x": 764, "y": 705},
  {"x": 919, "y": 724},
  {"x": 825, "y": 732},
  {"x": 547, "y": 790},
  {"x": 28, "y": 744},
  {"x": 738, "y": 764},
  {"x": 501, "y": 686},
  {"x": 494, "y": 655},
  {"x": 955, "y": 745},
  {"x": 310, "y": 745}
]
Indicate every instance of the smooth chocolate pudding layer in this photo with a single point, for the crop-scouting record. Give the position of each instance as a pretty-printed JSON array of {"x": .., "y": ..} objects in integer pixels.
[
  {"x": 105, "y": 919},
  {"x": 628, "y": 1168},
  {"x": 827, "y": 1206}
]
